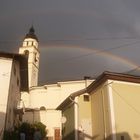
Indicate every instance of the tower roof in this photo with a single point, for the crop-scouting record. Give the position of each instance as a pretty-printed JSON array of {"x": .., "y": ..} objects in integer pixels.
[{"x": 31, "y": 34}]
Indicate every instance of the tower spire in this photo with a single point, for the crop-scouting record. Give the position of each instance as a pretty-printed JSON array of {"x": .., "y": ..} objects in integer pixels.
[
  {"x": 31, "y": 30},
  {"x": 31, "y": 34}
]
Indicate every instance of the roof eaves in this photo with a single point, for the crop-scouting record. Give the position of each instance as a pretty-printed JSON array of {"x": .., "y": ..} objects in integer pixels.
[
  {"x": 112, "y": 76},
  {"x": 70, "y": 99}
]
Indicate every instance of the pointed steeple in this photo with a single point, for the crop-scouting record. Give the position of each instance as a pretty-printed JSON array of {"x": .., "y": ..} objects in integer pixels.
[
  {"x": 32, "y": 30},
  {"x": 31, "y": 34}
]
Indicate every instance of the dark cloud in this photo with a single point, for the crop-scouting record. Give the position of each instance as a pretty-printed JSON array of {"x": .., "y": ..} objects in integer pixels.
[{"x": 75, "y": 29}]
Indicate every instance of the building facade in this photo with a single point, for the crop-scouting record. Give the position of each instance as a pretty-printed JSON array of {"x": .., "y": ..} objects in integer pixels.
[
  {"x": 115, "y": 107},
  {"x": 112, "y": 112},
  {"x": 76, "y": 108},
  {"x": 12, "y": 81}
]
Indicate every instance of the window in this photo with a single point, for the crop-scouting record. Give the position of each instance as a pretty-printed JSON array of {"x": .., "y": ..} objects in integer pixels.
[
  {"x": 122, "y": 137},
  {"x": 26, "y": 52},
  {"x": 42, "y": 108},
  {"x": 86, "y": 98}
]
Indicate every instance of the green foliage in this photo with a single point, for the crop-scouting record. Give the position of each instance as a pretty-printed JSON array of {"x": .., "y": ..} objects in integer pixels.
[{"x": 26, "y": 128}]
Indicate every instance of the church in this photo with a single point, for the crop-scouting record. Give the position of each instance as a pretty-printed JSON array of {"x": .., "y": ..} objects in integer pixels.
[
  {"x": 40, "y": 102},
  {"x": 103, "y": 108}
]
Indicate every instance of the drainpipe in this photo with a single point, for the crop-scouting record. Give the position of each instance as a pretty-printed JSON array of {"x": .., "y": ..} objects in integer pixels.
[
  {"x": 104, "y": 117},
  {"x": 111, "y": 108},
  {"x": 76, "y": 113}
]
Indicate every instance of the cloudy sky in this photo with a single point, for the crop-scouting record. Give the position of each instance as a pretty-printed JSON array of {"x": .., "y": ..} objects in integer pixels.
[{"x": 77, "y": 38}]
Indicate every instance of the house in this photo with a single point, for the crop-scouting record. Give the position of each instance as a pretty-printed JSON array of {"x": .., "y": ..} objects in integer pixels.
[
  {"x": 112, "y": 111},
  {"x": 76, "y": 111},
  {"x": 13, "y": 79},
  {"x": 115, "y": 106}
]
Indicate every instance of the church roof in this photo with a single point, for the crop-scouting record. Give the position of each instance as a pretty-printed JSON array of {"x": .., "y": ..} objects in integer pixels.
[{"x": 31, "y": 34}]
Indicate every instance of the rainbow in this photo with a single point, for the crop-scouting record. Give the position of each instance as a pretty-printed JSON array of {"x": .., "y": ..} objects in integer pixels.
[{"x": 92, "y": 51}]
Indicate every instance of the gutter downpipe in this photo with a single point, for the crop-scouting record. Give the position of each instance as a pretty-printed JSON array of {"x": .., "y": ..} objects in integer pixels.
[
  {"x": 76, "y": 114},
  {"x": 111, "y": 108},
  {"x": 104, "y": 118}
]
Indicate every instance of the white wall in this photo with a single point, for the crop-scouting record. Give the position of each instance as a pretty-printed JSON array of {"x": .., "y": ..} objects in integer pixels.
[
  {"x": 31, "y": 45},
  {"x": 52, "y": 96},
  {"x": 50, "y": 118},
  {"x": 14, "y": 94},
  {"x": 5, "y": 72},
  {"x": 9, "y": 91}
]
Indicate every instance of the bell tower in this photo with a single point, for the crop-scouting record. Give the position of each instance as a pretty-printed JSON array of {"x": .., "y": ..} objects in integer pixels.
[{"x": 30, "y": 48}]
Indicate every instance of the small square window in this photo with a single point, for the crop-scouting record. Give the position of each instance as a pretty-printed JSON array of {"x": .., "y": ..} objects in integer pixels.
[
  {"x": 86, "y": 98},
  {"x": 122, "y": 137}
]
